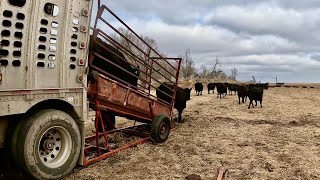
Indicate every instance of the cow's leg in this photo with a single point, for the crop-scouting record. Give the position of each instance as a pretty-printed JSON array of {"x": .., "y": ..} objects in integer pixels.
[
  {"x": 261, "y": 103},
  {"x": 179, "y": 116},
  {"x": 208, "y": 91},
  {"x": 249, "y": 104},
  {"x": 108, "y": 121},
  {"x": 239, "y": 99},
  {"x": 256, "y": 102}
]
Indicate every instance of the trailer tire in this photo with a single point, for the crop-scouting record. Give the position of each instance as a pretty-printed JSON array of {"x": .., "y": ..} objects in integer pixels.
[
  {"x": 160, "y": 128},
  {"x": 13, "y": 143},
  {"x": 48, "y": 144}
]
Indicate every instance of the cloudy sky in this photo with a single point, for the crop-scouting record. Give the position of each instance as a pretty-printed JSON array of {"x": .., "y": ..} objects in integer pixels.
[{"x": 259, "y": 37}]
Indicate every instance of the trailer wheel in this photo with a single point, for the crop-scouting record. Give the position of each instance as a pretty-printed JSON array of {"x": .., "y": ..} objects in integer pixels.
[
  {"x": 160, "y": 128},
  {"x": 48, "y": 145}
]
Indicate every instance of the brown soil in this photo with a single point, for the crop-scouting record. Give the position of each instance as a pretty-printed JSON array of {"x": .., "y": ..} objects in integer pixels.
[{"x": 278, "y": 141}]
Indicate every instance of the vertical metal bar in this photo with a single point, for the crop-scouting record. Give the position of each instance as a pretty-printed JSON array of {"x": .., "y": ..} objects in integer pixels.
[
  {"x": 99, "y": 3},
  {"x": 175, "y": 87},
  {"x": 150, "y": 79},
  {"x": 98, "y": 115}
]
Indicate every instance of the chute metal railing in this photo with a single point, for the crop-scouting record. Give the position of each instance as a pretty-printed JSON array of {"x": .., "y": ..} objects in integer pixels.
[{"x": 153, "y": 67}]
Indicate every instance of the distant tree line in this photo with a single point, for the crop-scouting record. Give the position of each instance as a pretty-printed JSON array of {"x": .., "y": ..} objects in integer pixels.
[{"x": 189, "y": 71}]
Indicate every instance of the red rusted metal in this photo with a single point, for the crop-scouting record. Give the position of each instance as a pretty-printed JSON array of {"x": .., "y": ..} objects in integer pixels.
[
  {"x": 109, "y": 153},
  {"x": 112, "y": 96}
]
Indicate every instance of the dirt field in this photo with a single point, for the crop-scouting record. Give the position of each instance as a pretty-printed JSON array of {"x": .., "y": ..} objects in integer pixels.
[{"x": 279, "y": 141}]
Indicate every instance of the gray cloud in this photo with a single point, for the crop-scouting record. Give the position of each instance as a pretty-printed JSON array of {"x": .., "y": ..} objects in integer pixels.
[{"x": 261, "y": 38}]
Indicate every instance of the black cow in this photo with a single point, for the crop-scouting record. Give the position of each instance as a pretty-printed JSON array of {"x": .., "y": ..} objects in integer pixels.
[
  {"x": 242, "y": 93},
  {"x": 263, "y": 85},
  {"x": 182, "y": 96},
  {"x": 222, "y": 89},
  {"x": 199, "y": 87},
  {"x": 211, "y": 86},
  {"x": 232, "y": 88},
  {"x": 255, "y": 94},
  {"x": 114, "y": 55}
]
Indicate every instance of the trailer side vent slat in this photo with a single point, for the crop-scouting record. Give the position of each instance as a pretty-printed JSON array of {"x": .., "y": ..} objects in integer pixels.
[
  {"x": 16, "y": 53},
  {"x": 41, "y": 56},
  {"x": 19, "y": 3},
  {"x": 17, "y": 44},
  {"x": 16, "y": 62},
  {"x": 4, "y": 52},
  {"x": 5, "y": 33},
  {"x": 53, "y": 40},
  {"x": 72, "y": 59},
  {"x": 40, "y": 64},
  {"x": 6, "y": 23},
  {"x": 19, "y": 25},
  {"x": 5, "y": 42},
  {"x": 52, "y": 57},
  {"x": 73, "y": 51},
  {"x": 72, "y": 66},
  {"x": 20, "y": 16},
  {"x": 42, "y": 39},
  {"x": 4, "y": 62},
  {"x": 7, "y": 14},
  {"x": 42, "y": 47},
  {"x": 18, "y": 35},
  {"x": 43, "y": 30},
  {"x": 44, "y": 22}
]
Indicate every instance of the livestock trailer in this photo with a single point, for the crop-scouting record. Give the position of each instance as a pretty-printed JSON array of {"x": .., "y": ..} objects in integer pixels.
[{"x": 49, "y": 81}]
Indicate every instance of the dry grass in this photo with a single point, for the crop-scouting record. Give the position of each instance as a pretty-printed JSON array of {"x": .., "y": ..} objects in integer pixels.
[{"x": 278, "y": 141}]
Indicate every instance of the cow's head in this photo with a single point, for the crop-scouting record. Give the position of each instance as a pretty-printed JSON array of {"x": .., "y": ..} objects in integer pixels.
[{"x": 187, "y": 93}]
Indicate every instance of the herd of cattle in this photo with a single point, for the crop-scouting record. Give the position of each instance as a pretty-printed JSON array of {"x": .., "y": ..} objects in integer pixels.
[
  {"x": 252, "y": 91},
  {"x": 111, "y": 62}
]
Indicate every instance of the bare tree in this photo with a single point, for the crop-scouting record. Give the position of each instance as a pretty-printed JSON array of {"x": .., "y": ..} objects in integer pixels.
[
  {"x": 188, "y": 68},
  {"x": 204, "y": 71},
  {"x": 216, "y": 64},
  {"x": 234, "y": 73}
]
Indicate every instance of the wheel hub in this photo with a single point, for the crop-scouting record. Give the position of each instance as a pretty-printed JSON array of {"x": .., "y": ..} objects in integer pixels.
[
  {"x": 51, "y": 146},
  {"x": 48, "y": 145},
  {"x": 162, "y": 128}
]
